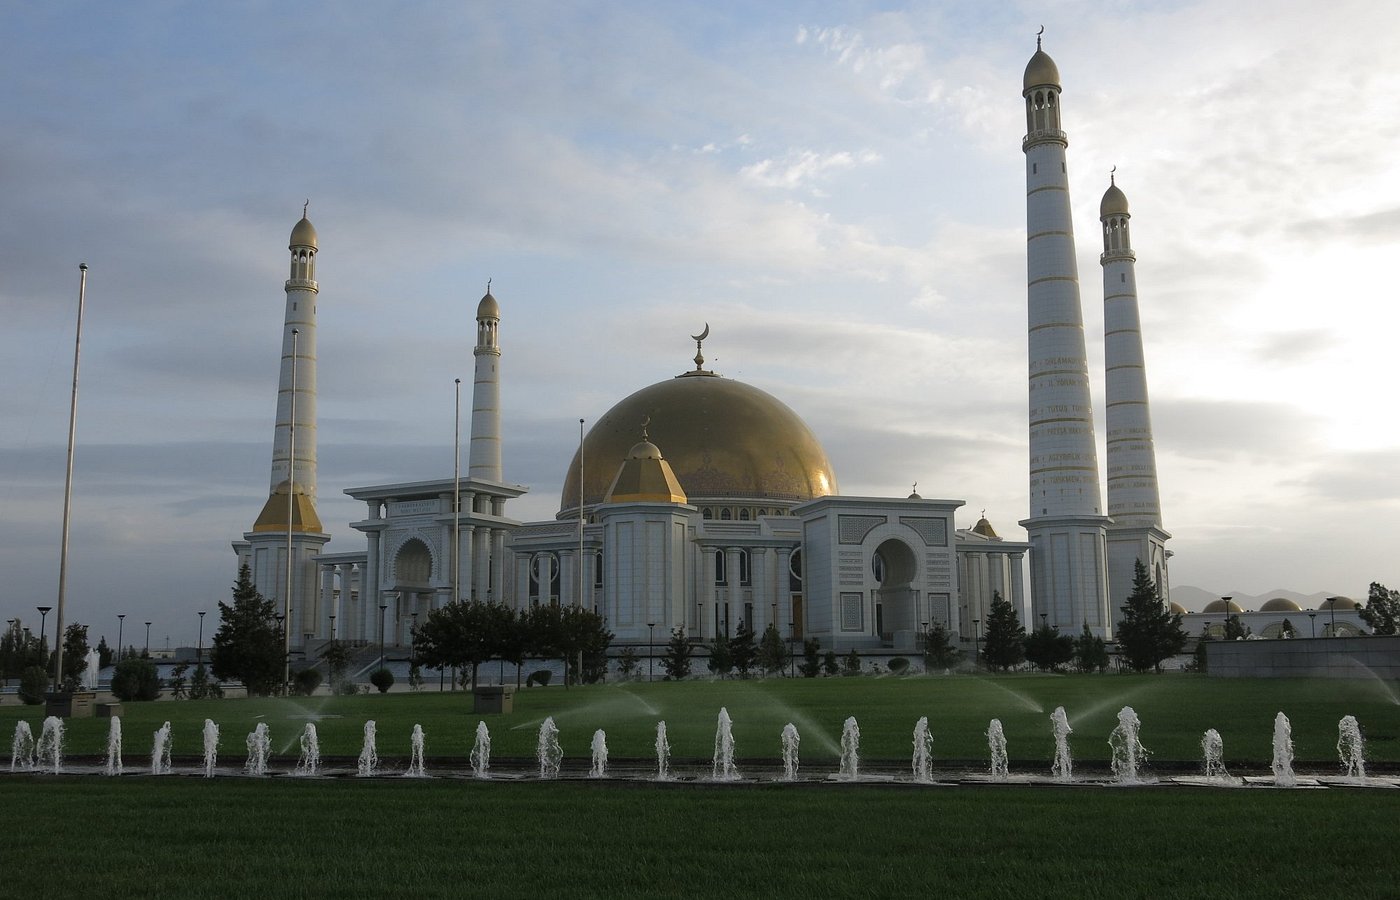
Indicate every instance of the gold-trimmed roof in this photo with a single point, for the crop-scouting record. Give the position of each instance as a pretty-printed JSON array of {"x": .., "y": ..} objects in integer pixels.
[
  {"x": 1340, "y": 603},
  {"x": 488, "y": 308},
  {"x": 274, "y": 513},
  {"x": 984, "y": 528},
  {"x": 303, "y": 234},
  {"x": 645, "y": 477},
  {"x": 1218, "y": 606},
  {"x": 725, "y": 440},
  {"x": 1281, "y": 604}
]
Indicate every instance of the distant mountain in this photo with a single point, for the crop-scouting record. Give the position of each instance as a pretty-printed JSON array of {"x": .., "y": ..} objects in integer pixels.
[{"x": 1194, "y": 599}]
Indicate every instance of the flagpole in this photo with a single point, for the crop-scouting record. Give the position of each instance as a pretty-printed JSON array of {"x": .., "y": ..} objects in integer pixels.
[
  {"x": 457, "y": 496},
  {"x": 68, "y": 485}
]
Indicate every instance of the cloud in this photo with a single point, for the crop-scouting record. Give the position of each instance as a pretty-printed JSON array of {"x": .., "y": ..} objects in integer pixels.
[{"x": 801, "y": 167}]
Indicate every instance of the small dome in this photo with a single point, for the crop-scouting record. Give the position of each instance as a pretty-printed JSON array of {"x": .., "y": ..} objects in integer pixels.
[
  {"x": 1040, "y": 70},
  {"x": 1280, "y": 604},
  {"x": 303, "y": 234},
  {"x": 644, "y": 450},
  {"x": 1338, "y": 602},
  {"x": 984, "y": 528},
  {"x": 1176, "y": 609},
  {"x": 1218, "y": 606},
  {"x": 1114, "y": 203},
  {"x": 488, "y": 308}
]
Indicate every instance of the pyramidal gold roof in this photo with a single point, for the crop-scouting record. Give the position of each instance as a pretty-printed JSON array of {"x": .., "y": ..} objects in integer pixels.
[
  {"x": 274, "y": 513},
  {"x": 645, "y": 477}
]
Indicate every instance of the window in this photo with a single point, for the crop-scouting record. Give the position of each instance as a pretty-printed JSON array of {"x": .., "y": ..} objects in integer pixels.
[
  {"x": 598, "y": 569},
  {"x": 719, "y": 567},
  {"x": 725, "y": 514},
  {"x": 745, "y": 570}
]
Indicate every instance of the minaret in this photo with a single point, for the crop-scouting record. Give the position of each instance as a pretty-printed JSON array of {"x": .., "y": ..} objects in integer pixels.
[
  {"x": 484, "y": 461},
  {"x": 1067, "y": 523},
  {"x": 290, "y": 523},
  {"x": 1133, "y": 499}
]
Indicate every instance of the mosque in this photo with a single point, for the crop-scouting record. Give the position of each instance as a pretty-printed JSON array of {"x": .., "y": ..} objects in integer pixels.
[{"x": 700, "y": 501}]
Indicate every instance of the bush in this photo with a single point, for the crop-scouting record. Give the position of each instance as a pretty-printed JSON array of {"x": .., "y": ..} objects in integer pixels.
[
  {"x": 33, "y": 684},
  {"x": 382, "y": 679},
  {"x": 898, "y": 665},
  {"x": 135, "y": 678},
  {"x": 627, "y": 663},
  {"x": 307, "y": 681},
  {"x": 830, "y": 666},
  {"x": 540, "y": 677},
  {"x": 851, "y": 664},
  {"x": 346, "y": 688},
  {"x": 811, "y": 665}
]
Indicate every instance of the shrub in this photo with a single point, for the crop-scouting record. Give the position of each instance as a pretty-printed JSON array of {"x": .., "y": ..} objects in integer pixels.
[
  {"x": 345, "y": 688},
  {"x": 830, "y": 665},
  {"x": 307, "y": 680},
  {"x": 33, "y": 684},
  {"x": 382, "y": 679},
  {"x": 898, "y": 665},
  {"x": 540, "y": 677},
  {"x": 627, "y": 662},
  {"x": 135, "y": 678},
  {"x": 851, "y": 664},
  {"x": 811, "y": 665}
]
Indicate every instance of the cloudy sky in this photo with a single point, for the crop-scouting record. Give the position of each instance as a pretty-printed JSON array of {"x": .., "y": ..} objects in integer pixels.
[{"x": 836, "y": 187}]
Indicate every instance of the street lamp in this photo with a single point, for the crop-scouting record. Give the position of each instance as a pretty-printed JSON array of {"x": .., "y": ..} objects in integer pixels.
[
  {"x": 332, "y": 628},
  {"x": 382, "y": 607},
  {"x": 148, "y": 639},
  {"x": 412, "y": 638},
  {"x": 121, "y": 620},
  {"x": 43, "y": 617},
  {"x": 977, "y": 639},
  {"x": 199, "y": 648},
  {"x": 651, "y": 651},
  {"x": 1332, "y": 602},
  {"x": 1227, "y": 615},
  {"x": 923, "y": 635},
  {"x": 1312, "y": 623},
  {"x": 1043, "y": 623}
]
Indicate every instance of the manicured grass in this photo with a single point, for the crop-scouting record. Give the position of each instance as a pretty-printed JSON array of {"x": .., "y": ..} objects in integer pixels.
[
  {"x": 346, "y": 838},
  {"x": 1175, "y": 711}
]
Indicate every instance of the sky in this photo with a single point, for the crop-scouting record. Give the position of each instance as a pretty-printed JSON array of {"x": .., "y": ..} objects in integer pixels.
[{"x": 836, "y": 188}]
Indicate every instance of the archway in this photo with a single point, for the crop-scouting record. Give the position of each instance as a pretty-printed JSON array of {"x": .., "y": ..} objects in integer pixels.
[
  {"x": 413, "y": 575},
  {"x": 896, "y": 601}
]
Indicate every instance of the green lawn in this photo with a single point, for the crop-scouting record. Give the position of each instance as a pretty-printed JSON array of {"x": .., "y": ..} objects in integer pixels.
[
  {"x": 1175, "y": 711},
  {"x": 233, "y": 837}
]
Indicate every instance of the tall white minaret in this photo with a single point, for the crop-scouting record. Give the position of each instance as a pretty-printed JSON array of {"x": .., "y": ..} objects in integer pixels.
[
  {"x": 1133, "y": 499},
  {"x": 1067, "y": 523},
  {"x": 288, "y": 522},
  {"x": 484, "y": 460}
]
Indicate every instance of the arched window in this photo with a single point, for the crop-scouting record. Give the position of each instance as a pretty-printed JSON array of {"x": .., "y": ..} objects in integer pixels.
[
  {"x": 598, "y": 569},
  {"x": 795, "y": 571},
  {"x": 707, "y": 513},
  {"x": 745, "y": 569},
  {"x": 726, "y": 514},
  {"x": 743, "y": 515},
  {"x": 719, "y": 567}
]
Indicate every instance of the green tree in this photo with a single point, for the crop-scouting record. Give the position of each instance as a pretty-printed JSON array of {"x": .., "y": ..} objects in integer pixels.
[
  {"x": 1148, "y": 632},
  {"x": 772, "y": 655},
  {"x": 75, "y": 651},
  {"x": 811, "y": 665},
  {"x": 939, "y": 652},
  {"x": 248, "y": 645},
  {"x": 585, "y": 642},
  {"x": 135, "y": 678},
  {"x": 742, "y": 648},
  {"x": 1004, "y": 646},
  {"x": 104, "y": 653},
  {"x": 337, "y": 658},
  {"x": 457, "y": 635},
  {"x": 676, "y": 661},
  {"x": 1047, "y": 649},
  {"x": 1382, "y": 610},
  {"x": 1235, "y": 630},
  {"x": 33, "y": 685},
  {"x": 1090, "y": 651},
  {"x": 721, "y": 661},
  {"x": 831, "y": 666},
  {"x": 850, "y": 665},
  {"x": 627, "y": 662}
]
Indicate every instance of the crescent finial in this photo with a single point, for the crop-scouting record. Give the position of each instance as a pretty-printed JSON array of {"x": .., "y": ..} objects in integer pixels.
[
  {"x": 1037, "y": 36},
  {"x": 646, "y": 422},
  {"x": 702, "y": 335},
  {"x": 1110, "y": 175}
]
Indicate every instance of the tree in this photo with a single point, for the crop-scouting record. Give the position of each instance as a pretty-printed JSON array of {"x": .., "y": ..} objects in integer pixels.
[
  {"x": 811, "y": 665},
  {"x": 627, "y": 662},
  {"x": 939, "y": 652},
  {"x": 337, "y": 659},
  {"x": 135, "y": 678},
  {"x": 104, "y": 653},
  {"x": 676, "y": 661},
  {"x": 1004, "y": 645},
  {"x": 248, "y": 645},
  {"x": 830, "y": 665},
  {"x": 1382, "y": 610},
  {"x": 457, "y": 635},
  {"x": 1047, "y": 649},
  {"x": 1235, "y": 630},
  {"x": 1286, "y": 630},
  {"x": 772, "y": 655},
  {"x": 584, "y": 640},
  {"x": 742, "y": 648},
  {"x": 75, "y": 651},
  {"x": 1149, "y": 632},
  {"x": 721, "y": 662},
  {"x": 1090, "y": 652}
]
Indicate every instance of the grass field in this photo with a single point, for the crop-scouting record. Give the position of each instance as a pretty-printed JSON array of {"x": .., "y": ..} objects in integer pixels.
[
  {"x": 188, "y": 837},
  {"x": 1175, "y": 711}
]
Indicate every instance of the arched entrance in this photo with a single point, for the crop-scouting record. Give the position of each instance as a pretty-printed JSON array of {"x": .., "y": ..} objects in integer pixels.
[
  {"x": 413, "y": 575},
  {"x": 896, "y": 601}
]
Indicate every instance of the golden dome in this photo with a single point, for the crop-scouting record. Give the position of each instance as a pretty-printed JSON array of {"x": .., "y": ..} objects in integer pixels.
[
  {"x": 303, "y": 235},
  {"x": 1040, "y": 70},
  {"x": 488, "y": 308},
  {"x": 1176, "y": 609},
  {"x": 274, "y": 512},
  {"x": 725, "y": 440},
  {"x": 1218, "y": 606},
  {"x": 984, "y": 528},
  {"x": 1280, "y": 604},
  {"x": 1114, "y": 202},
  {"x": 1338, "y": 602}
]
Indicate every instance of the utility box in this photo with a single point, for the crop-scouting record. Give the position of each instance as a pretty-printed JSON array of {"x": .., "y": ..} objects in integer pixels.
[
  {"x": 497, "y": 699},
  {"x": 77, "y": 705}
]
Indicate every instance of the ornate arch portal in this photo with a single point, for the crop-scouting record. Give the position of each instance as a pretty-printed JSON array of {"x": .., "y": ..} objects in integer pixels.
[
  {"x": 413, "y": 567},
  {"x": 896, "y": 600}
]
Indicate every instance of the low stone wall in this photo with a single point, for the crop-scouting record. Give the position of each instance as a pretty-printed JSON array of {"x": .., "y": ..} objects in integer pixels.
[{"x": 1339, "y": 657}]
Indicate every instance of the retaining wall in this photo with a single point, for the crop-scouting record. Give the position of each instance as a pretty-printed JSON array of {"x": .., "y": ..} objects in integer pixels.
[{"x": 1339, "y": 657}]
